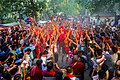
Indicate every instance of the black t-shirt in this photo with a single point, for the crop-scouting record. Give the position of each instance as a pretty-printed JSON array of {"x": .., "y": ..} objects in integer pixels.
[{"x": 6, "y": 75}]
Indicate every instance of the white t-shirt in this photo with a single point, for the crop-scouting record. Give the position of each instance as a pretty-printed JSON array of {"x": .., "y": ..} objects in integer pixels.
[
  {"x": 43, "y": 63},
  {"x": 50, "y": 54}
]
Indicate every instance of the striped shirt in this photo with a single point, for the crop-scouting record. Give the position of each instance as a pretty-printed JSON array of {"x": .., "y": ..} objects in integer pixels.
[{"x": 101, "y": 60}]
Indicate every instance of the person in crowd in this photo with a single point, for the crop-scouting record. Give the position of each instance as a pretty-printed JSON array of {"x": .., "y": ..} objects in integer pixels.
[
  {"x": 97, "y": 45},
  {"x": 50, "y": 71},
  {"x": 44, "y": 59},
  {"x": 70, "y": 73},
  {"x": 36, "y": 71},
  {"x": 78, "y": 69},
  {"x": 50, "y": 55}
]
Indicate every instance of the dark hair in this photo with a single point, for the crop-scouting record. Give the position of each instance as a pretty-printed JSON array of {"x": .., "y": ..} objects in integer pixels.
[
  {"x": 66, "y": 78},
  {"x": 11, "y": 54},
  {"x": 17, "y": 62},
  {"x": 80, "y": 52},
  {"x": 71, "y": 48},
  {"x": 13, "y": 47},
  {"x": 28, "y": 50},
  {"x": 69, "y": 69},
  {"x": 45, "y": 52},
  {"x": 59, "y": 76},
  {"x": 20, "y": 56},
  {"x": 39, "y": 62},
  {"x": 114, "y": 49},
  {"x": 106, "y": 49},
  {"x": 99, "y": 52},
  {"x": 47, "y": 47},
  {"x": 49, "y": 66}
]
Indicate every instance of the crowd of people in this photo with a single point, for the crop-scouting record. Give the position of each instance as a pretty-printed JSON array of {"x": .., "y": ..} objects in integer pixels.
[{"x": 32, "y": 52}]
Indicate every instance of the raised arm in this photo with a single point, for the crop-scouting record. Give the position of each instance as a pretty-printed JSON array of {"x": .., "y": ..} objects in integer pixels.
[
  {"x": 72, "y": 41},
  {"x": 12, "y": 68},
  {"x": 91, "y": 49},
  {"x": 96, "y": 44}
]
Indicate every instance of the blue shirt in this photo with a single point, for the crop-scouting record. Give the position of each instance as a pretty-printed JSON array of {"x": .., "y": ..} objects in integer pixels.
[{"x": 18, "y": 51}]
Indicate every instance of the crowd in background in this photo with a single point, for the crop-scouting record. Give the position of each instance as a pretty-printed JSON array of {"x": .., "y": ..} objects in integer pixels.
[{"x": 32, "y": 52}]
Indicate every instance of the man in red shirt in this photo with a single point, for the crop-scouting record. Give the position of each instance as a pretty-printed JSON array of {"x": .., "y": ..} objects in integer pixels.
[
  {"x": 49, "y": 72},
  {"x": 36, "y": 71},
  {"x": 78, "y": 69}
]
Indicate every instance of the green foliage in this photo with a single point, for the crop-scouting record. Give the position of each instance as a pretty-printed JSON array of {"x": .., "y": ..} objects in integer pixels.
[
  {"x": 100, "y": 5},
  {"x": 36, "y": 8},
  {"x": 10, "y": 10},
  {"x": 70, "y": 8},
  {"x": 13, "y": 8}
]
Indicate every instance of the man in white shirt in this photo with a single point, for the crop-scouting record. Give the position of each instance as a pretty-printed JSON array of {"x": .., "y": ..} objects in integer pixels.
[
  {"x": 27, "y": 59},
  {"x": 49, "y": 55},
  {"x": 44, "y": 59}
]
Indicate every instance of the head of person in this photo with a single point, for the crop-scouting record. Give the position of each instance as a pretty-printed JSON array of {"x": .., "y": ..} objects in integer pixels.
[
  {"x": 38, "y": 63},
  {"x": 106, "y": 49},
  {"x": 71, "y": 48},
  {"x": 47, "y": 47},
  {"x": 13, "y": 47},
  {"x": 66, "y": 78},
  {"x": 69, "y": 70},
  {"x": 59, "y": 76},
  {"x": 98, "y": 53},
  {"x": 49, "y": 66},
  {"x": 114, "y": 49},
  {"x": 28, "y": 51},
  {"x": 80, "y": 53},
  {"x": 45, "y": 53}
]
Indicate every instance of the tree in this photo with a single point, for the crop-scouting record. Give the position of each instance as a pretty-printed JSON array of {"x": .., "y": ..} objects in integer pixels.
[
  {"x": 100, "y": 5},
  {"x": 13, "y": 8},
  {"x": 4, "y": 10},
  {"x": 70, "y": 7}
]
